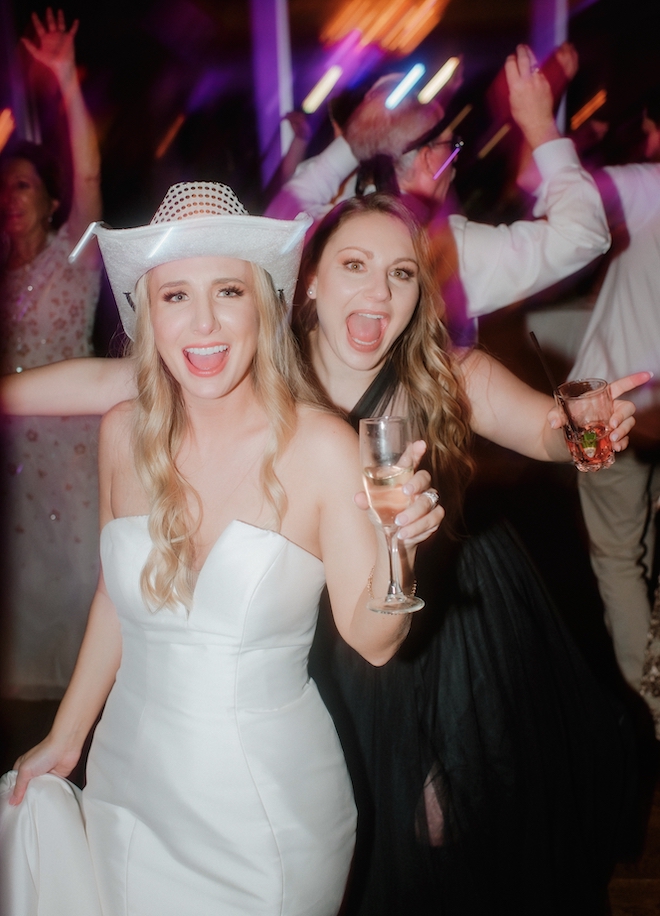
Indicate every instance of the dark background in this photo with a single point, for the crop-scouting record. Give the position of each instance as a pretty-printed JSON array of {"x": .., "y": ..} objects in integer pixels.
[{"x": 144, "y": 62}]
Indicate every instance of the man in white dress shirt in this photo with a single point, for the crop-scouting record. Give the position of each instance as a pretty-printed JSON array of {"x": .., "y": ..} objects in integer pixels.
[
  {"x": 623, "y": 335},
  {"x": 488, "y": 266}
]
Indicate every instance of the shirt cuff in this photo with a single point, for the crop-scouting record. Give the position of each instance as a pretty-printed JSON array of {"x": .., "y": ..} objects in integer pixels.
[{"x": 554, "y": 155}]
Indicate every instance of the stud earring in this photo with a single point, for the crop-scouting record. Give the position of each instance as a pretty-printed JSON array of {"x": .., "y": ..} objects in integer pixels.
[{"x": 310, "y": 292}]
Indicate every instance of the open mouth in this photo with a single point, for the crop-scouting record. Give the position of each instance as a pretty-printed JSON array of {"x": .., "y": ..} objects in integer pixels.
[
  {"x": 366, "y": 329},
  {"x": 207, "y": 360}
]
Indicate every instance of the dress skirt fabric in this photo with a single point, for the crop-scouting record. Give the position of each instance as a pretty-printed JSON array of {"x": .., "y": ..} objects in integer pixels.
[{"x": 491, "y": 770}]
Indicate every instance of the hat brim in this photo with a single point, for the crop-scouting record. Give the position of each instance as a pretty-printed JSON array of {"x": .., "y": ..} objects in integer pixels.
[{"x": 274, "y": 244}]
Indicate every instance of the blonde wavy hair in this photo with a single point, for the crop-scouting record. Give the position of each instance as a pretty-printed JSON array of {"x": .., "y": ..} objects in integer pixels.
[
  {"x": 425, "y": 363},
  {"x": 159, "y": 429}
]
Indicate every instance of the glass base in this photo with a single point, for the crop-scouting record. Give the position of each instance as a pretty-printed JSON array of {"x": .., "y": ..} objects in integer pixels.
[
  {"x": 593, "y": 466},
  {"x": 393, "y": 604}
]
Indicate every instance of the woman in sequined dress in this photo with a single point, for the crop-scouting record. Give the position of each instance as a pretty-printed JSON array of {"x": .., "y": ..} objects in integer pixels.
[{"x": 48, "y": 483}]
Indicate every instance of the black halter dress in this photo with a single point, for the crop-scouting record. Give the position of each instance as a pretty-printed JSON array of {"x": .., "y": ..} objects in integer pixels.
[{"x": 492, "y": 773}]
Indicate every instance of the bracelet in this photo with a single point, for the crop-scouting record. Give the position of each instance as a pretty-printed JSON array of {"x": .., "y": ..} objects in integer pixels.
[{"x": 370, "y": 585}]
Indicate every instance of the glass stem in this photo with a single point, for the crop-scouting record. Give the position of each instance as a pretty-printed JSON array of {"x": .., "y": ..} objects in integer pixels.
[{"x": 394, "y": 587}]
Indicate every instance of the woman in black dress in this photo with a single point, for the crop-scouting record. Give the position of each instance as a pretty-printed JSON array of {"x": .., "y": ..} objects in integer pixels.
[{"x": 492, "y": 773}]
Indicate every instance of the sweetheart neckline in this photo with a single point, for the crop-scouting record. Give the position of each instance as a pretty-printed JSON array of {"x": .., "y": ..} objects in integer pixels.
[{"x": 234, "y": 521}]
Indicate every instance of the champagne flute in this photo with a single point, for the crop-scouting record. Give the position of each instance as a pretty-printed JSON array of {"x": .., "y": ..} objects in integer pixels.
[{"x": 386, "y": 459}]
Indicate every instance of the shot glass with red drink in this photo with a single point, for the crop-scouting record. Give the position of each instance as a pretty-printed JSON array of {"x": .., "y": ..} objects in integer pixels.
[{"x": 587, "y": 403}]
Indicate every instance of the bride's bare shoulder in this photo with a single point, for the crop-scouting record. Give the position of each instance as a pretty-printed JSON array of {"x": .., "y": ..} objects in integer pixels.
[
  {"x": 316, "y": 425},
  {"x": 324, "y": 447}
]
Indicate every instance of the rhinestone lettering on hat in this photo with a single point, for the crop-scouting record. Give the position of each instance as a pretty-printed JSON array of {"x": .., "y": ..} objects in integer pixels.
[{"x": 198, "y": 198}]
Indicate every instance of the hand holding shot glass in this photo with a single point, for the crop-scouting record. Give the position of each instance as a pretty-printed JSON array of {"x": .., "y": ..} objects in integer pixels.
[
  {"x": 595, "y": 419},
  {"x": 587, "y": 404},
  {"x": 387, "y": 465}
]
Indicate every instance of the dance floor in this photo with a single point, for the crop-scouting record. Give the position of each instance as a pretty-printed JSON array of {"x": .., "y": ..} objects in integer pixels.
[{"x": 635, "y": 887}]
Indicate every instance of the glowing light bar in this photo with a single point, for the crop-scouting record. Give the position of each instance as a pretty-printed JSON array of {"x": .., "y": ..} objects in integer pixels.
[
  {"x": 445, "y": 165},
  {"x": 322, "y": 89},
  {"x": 441, "y": 79},
  {"x": 397, "y": 95},
  {"x": 494, "y": 140},
  {"x": 587, "y": 110}
]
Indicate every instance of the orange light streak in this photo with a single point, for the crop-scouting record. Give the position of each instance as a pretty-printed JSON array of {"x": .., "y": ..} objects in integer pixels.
[
  {"x": 170, "y": 136},
  {"x": 463, "y": 113},
  {"x": 494, "y": 140},
  {"x": 410, "y": 24},
  {"x": 384, "y": 21},
  {"x": 408, "y": 43},
  {"x": 399, "y": 26},
  {"x": 346, "y": 20},
  {"x": 587, "y": 110},
  {"x": 7, "y": 125}
]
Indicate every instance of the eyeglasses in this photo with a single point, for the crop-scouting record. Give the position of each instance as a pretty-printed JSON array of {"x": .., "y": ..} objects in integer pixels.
[{"x": 455, "y": 145}]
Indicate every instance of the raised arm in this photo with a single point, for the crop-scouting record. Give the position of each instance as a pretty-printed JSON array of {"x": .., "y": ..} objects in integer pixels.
[
  {"x": 54, "y": 49},
  {"x": 502, "y": 264},
  {"x": 315, "y": 183},
  {"x": 302, "y": 134},
  {"x": 530, "y": 98},
  {"x": 97, "y": 664},
  {"x": 510, "y": 413},
  {"x": 73, "y": 387}
]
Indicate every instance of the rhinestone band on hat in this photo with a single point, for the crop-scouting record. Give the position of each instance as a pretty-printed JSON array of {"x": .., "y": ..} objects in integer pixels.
[{"x": 198, "y": 198}]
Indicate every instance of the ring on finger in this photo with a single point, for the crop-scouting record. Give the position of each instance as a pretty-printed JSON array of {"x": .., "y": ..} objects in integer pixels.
[{"x": 433, "y": 496}]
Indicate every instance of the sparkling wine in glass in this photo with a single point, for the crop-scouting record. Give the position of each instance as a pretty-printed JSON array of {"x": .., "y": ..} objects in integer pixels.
[{"x": 386, "y": 458}]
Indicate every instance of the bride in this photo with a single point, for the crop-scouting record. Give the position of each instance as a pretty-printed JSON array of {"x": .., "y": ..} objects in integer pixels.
[{"x": 216, "y": 781}]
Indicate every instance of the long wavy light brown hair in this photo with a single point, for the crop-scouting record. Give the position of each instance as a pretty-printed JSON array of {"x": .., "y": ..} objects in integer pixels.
[
  {"x": 159, "y": 429},
  {"x": 425, "y": 363}
]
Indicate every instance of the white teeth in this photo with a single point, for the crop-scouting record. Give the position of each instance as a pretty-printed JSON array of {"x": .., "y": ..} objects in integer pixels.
[
  {"x": 369, "y": 315},
  {"x": 206, "y": 351}
]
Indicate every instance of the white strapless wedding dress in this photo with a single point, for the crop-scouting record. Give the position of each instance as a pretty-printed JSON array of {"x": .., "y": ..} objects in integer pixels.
[{"x": 216, "y": 784}]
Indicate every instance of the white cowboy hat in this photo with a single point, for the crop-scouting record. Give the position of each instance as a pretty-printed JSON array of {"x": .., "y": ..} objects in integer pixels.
[{"x": 198, "y": 219}]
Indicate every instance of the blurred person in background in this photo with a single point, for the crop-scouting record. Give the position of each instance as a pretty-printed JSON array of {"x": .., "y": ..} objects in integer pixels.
[
  {"x": 623, "y": 334},
  {"x": 480, "y": 267},
  {"x": 48, "y": 480}
]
